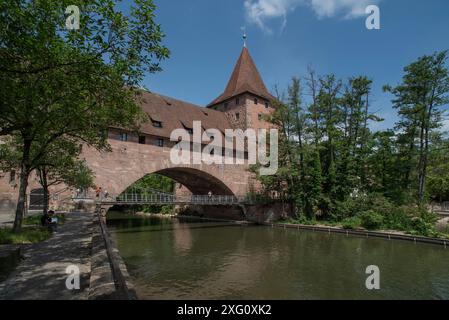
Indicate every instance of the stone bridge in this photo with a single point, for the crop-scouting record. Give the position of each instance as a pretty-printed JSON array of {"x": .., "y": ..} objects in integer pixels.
[{"x": 129, "y": 162}]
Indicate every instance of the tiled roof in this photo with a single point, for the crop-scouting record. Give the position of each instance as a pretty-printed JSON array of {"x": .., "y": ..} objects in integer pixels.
[
  {"x": 244, "y": 78},
  {"x": 176, "y": 114}
]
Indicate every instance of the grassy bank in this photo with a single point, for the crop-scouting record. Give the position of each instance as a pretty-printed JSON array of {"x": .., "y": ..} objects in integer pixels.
[
  {"x": 32, "y": 231},
  {"x": 29, "y": 234}
]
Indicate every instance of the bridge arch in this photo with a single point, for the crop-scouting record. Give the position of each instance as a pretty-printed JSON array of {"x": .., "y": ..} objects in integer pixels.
[
  {"x": 196, "y": 181},
  {"x": 129, "y": 162}
]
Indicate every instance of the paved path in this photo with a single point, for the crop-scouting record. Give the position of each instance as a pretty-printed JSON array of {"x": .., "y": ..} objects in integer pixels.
[{"x": 41, "y": 275}]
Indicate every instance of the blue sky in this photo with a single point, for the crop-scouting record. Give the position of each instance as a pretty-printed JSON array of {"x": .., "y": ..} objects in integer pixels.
[{"x": 286, "y": 36}]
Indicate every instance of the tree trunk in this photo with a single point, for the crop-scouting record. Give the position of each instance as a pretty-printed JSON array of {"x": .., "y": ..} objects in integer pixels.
[
  {"x": 23, "y": 185},
  {"x": 43, "y": 179}
]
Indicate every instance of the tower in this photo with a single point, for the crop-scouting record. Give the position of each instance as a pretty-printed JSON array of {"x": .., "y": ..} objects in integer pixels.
[{"x": 245, "y": 100}]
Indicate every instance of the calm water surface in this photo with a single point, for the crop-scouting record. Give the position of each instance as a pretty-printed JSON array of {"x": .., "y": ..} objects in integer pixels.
[{"x": 186, "y": 259}]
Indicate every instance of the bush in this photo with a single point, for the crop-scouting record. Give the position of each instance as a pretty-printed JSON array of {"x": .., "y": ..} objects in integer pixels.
[
  {"x": 422, "y": 227},
  {"x": 351, "y": 223},
  {"x": 371, "y": 220}
]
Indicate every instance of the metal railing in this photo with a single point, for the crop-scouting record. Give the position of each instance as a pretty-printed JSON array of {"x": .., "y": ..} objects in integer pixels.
[{"x": 166, "y": 199}]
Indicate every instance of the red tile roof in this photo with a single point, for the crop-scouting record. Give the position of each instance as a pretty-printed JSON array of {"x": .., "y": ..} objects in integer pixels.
[
  {"x": 244, "y": 78},
  {"x": 176, "y": 114}
]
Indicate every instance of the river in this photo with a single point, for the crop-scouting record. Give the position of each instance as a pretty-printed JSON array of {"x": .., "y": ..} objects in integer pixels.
[{"x": 171, "y": 258}]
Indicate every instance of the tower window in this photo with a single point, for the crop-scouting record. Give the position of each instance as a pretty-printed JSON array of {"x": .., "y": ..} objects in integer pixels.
[
  {"x": 256, "y": 101},
  {"x": 157, "y": 124},
  {"x": 123, "y": 136},
  {"x": 142, "y": 139},
  {"x": 160, "y": 142}
]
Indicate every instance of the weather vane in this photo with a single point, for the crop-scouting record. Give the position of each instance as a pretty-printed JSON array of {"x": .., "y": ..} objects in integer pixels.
[{"x": 244, "y": 36}]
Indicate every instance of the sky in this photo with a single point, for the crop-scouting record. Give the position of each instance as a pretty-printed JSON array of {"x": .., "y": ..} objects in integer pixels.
[{"x": 287, "y": 36}]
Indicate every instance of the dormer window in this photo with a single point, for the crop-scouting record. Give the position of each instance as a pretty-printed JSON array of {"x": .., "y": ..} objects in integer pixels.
[{"x": 157, "y": 124}]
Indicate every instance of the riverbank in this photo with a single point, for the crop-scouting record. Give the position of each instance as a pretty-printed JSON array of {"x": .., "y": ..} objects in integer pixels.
[
  {"x": 80, "y": 245},
  {"x": 390, "y": 235}
]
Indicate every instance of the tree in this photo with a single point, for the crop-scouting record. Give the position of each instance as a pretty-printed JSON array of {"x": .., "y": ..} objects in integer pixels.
[
  {"x": 420, "y": 99},
  {"x": 59, "y": 84},
  {"x": 61, "y": 164}
]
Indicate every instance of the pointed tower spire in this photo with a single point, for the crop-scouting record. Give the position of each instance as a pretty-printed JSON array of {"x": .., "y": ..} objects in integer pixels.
[{"x": 244, "y": 78}]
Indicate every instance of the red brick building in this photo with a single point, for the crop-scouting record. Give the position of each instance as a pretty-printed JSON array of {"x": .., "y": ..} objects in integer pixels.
[{"x": 242, "y": 105}]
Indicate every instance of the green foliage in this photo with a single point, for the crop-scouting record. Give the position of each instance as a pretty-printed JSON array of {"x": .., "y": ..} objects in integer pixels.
[
  {"x": 151, "y": 184},
  {"x": 351, "y": 223},
  {"x": 35, "y": 220},
  {"x": 167, "y": 209},
  {"x": 334, "y": 168},
  {"x": 27, "y": 235},
  {"x": 371, "y": 220}
]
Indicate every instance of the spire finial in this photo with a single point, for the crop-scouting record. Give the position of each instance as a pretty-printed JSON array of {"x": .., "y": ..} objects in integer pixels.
[{"x": 244, "y": 36}]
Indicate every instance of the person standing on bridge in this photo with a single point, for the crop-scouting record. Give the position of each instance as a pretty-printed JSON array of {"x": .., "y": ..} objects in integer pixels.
[
  {"x": 98, "y": 192},
  {"x": 210, "y": 195}
]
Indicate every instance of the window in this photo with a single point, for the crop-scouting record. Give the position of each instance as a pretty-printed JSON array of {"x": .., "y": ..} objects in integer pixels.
[
  {"x": 160, "y": 142},
  {"x": 123, "y": 136},
  {"x": 237, "y": 101},
  {"x": 226, "y": 105},
  {"x": 260, "y": 116},
  {"x": 256, "y": 101},
  {"x": 157, "y": 124},
  {"x": 237, "y": 116},
  {"x": 142, "y": 139},
  {"x": 266, "y": 105}
]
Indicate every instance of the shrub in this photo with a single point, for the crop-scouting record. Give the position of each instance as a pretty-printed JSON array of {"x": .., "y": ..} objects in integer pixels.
[
  {"x": 351, "y": 223},
  {"x": 371, "y": 220}
]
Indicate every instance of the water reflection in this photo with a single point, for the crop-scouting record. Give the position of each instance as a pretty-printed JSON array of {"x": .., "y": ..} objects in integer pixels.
[{"x": 184, "y": 259}]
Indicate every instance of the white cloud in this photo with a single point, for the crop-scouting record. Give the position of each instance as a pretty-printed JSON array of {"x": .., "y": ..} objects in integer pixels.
[{"x": 259, "y": 12}]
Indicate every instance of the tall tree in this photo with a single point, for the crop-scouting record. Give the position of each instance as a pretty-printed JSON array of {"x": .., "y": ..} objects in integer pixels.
[
  {"x": 420, "y": 99},
  {"x": 57, "y": 83}
]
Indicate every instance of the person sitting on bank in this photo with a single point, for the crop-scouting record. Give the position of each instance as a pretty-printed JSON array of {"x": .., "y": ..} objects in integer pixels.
[
  {"x": 45, "y": 220},
  {"x": 49, "y": 220}
]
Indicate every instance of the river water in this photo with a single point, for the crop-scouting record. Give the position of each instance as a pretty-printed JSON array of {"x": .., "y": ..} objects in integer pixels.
[{"x": 171, "y": 258}]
